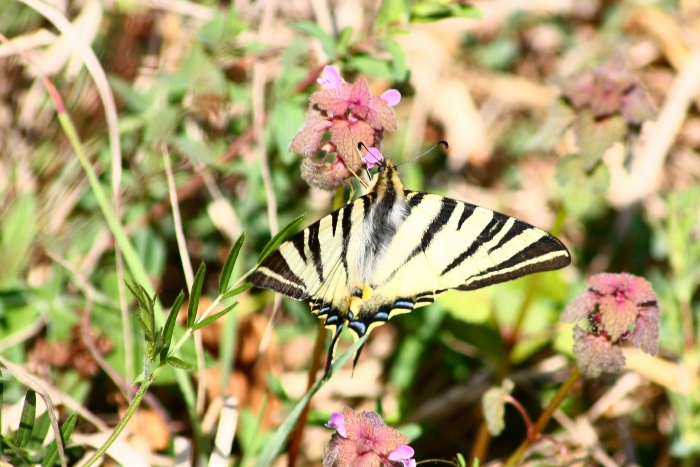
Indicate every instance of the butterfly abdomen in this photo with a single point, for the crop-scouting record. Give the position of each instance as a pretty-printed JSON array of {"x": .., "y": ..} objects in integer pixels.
[{"x": 386, "y": 209}]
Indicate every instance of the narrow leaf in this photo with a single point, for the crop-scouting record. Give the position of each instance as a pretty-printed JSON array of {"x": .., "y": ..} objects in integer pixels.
[
  {"x": 144, "y": 327},
  {"x": 274, "y": 445},
  {"x": 67, "y": 428},
  {"x": 177, "y": 363},
  {"x": 227, "y": 270},
  {"x": 212, "y": 318},
  {"x": 313, "y": 30},
  {"x": 236, "y": 291},
  {"x": 136, "y": 291},
  {"x": 195, "y": 294},
  {"x": 170, "y": 324},
  {"x": 26, "y": 421},
  {"x": 280, "y": 237},
  {"x": 398, "y": 59}
]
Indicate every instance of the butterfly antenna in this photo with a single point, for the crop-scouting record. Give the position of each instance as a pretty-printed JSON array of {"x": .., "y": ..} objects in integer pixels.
[{"x": 443, "y": 142}]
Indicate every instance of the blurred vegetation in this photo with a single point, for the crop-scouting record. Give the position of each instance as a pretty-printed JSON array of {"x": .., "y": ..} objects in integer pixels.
[{"x": 212, "y": 93}]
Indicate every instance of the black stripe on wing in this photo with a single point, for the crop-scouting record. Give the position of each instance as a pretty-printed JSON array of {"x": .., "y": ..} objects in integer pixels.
[
  {"x": 521, "y": 263},
  {"x": 274, "y": 273}
]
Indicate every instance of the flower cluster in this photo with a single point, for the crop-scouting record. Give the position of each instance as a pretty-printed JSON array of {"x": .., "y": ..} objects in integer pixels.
[
  {"x": 351, "y": 115},
  {"x": 608, "y": 90},
  {"x": 362, "y": 439},
  {"x": 618, "y": 307}
]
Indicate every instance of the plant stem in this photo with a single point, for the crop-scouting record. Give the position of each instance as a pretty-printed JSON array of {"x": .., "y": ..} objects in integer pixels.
[
  {"x": 295, "y": 441},
  {"x": 543, "y": 420},
  {"x": 122, "y": 423}
]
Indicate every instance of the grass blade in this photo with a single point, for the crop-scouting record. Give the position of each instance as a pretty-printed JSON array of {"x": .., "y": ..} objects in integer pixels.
[
  {"x": 66, "y": 431},
  {"x": 26, "y": 421}
]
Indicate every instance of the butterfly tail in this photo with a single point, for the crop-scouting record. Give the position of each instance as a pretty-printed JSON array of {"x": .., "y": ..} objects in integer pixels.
[{"x": 331, "y": 350}]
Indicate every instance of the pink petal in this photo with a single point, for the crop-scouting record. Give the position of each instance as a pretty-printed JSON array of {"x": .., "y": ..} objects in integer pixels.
[
  {"x": 401, "y": 453},
  {"x": 337, "y": 421},
  {"x": 392, "y": 97},
  {"x": 331, "y": 78},
  {"x": 373, "y": 157}
]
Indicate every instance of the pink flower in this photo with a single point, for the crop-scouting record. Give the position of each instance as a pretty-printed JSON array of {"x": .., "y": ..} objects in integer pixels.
[
  {"x": 351, "y": 115},
  {"x": 373, "y": 157},
  {"x": 392, "y": 97},
  {"x": 337, "y": 421},
  {"x": 364, "y": 440},
  {"x": 617, "y": 307},
  {"x": 331, "y": 78}
]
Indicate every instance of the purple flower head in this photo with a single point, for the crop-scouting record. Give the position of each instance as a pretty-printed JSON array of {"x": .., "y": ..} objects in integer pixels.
[
  {"x": 367, "y": 442},
  {"x": 373, "y": 157},
  {"x": 617, "y": 307},
  {"x": 392, "y": 97},
  {"x": 337, "y": 421},
  {"x": 331, "y": 78},
  {"x": 403, "y": 454},
  {"x": 350, "y": 114}
]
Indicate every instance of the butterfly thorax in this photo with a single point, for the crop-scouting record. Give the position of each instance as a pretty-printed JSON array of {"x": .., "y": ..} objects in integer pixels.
[{"x": 386, "y": 211}]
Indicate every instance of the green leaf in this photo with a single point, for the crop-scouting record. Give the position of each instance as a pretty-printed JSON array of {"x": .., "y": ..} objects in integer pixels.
[
  {"x": 161, "y": 126},
  {"x": 170, "y": 324},
  {"x": 237, "y": 290},
  {"x": 433, "y": 10},
  {"x": 212, "y": 318},
  {"x": 197, "y": 151},
  {"x": 371, "y": 66},
  {"x": 67, "y": 428},
  {"x": 493, "y": 402},
  {"x": 284, "y": 122},
  {"x": 195, "y": 294},
  {"x": 344, "y": 40},
  {"x": 280, "y": 237},
  {"x": 177, "y": 363},
  {"x": 398, "y": 59},
  {"x": 463, "y": 462},
  {"x": 314, "y": 30},
  {"x": 147, "y": 333},
  {"x": 273, "y": 447},
  {"x": 227, "y": 270},
  {"x": 2, "y": 397},
  {"x": 17, "y": 233},
  {"x": 26, "y": 421},
  {"x": 559, "y": 119},
  {"x": 582, "y": 194},
  {"x": 594, "y": 137},
  {"x": 391, "y": 12}
]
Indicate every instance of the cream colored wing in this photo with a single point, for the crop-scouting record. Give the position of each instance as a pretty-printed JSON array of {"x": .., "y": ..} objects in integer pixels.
[{"x": 447, "y": 244}]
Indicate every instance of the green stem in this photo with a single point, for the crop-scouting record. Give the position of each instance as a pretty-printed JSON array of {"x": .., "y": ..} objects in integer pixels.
[
  {"x": 130, "y": 257},
  {"x": 544, "y": 419},
  {"x": 122, "y": 423}
]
